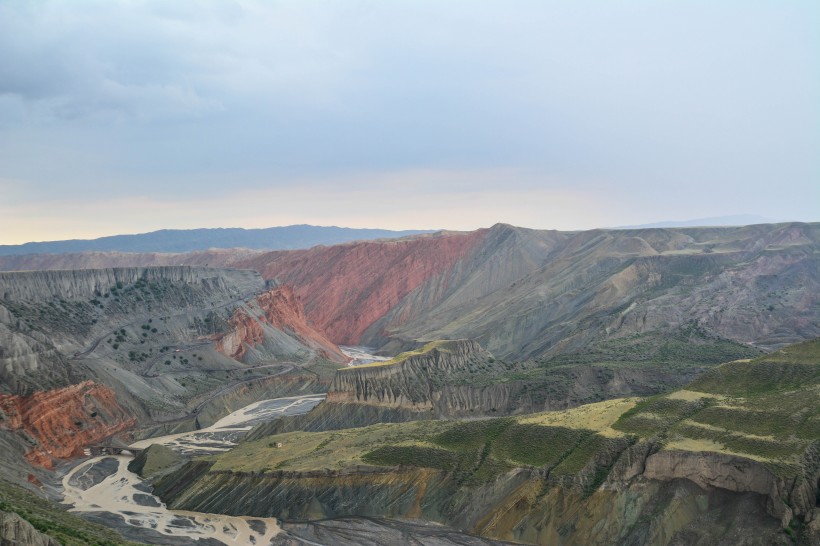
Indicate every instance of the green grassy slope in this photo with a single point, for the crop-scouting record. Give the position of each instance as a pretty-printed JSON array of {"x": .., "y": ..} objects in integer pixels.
[{"x": 767, "y": 409}]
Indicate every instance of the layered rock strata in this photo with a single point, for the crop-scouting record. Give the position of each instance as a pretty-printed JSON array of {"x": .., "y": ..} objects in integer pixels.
[
  {"x": 278, "y": 308},
  {"x": 61, "y": 423},
  {"x": 35, "y": 286},
  {"x": 16, "y": 531},
  {"x": 711, "y": 498}
]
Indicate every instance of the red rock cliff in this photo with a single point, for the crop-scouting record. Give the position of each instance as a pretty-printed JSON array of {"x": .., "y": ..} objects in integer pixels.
[
  {"x": 64, "y": 421},
  {"x": 281, "y": 309},
  {"x": 345, "y": 288}
]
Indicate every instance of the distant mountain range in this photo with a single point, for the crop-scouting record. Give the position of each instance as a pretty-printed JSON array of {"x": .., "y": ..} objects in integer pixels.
[
  {"x": 188, "y": 240},
  {"x": 715, "y": 221}
]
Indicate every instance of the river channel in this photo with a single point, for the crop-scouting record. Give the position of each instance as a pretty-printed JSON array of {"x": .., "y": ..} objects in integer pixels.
[{"x": 104, "y": 488}]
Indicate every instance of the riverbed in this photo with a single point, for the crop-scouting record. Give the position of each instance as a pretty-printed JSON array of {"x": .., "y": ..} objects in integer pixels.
[
  {"x": 104, "y": 488},
  {"x": 361, "y": 355}
]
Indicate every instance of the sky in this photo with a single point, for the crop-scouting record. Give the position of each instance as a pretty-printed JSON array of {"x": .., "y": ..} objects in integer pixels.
[{"x": 130, "y": 116}]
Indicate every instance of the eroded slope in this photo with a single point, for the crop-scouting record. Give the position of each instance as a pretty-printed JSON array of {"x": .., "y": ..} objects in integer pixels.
[{"x": 722, "y": 461}]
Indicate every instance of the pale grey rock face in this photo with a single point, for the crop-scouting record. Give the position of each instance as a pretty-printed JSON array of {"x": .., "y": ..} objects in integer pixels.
[
  {"x": 47, "y": 317},
  {"x": 81, "y": 283},
  {"x": 15, "y": 531}
]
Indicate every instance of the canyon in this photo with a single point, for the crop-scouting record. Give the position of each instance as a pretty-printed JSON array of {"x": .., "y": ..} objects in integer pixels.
[
  {"x": 593, "y": 475},
  {"x": 525, "y": 293},
  {"x": 575, "y": 382},
  {"x": 90, "y": 354}
]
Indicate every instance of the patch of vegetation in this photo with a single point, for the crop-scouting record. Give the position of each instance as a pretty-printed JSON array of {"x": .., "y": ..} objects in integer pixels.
[
  {"x": 688, "y": 346},
  {"x": 658, "y": 414},
  {"x": 788, "y": 369},
  {"x": 582, "y": 453},
  {"x": 774, "y": 449},
  {"x": 539, "y": 446},
  {"x": 472, "y": 434},
  {"x": 425, "y": 457}
]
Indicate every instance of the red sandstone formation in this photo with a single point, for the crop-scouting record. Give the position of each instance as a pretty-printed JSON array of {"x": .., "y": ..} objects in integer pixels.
[
  {"x": 64, "y": 421},
  {"x": 281, "y": 309},
  {"x": 344, "y": 286},
  {"x": 244, "y": 331}
]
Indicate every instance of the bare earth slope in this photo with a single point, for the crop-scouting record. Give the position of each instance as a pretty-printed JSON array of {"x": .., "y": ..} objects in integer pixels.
[
  {"x": 86, "y": 354},
  {"x": 526, "y": 293}
]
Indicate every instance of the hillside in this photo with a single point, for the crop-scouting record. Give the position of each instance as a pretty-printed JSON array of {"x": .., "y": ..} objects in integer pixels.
[
  {"x": 723, "y": 460},
  {"x": 459, "y": 379},
  {"x": 87, "y": 354},
  {"x": 541, "y": 294}
]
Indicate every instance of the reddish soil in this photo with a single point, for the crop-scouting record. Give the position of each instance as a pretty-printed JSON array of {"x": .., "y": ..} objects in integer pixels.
[
  {"x": 345, "y": 288},
  {"x": 281, "y": 309},
  {"x": 64, "y": 421}
]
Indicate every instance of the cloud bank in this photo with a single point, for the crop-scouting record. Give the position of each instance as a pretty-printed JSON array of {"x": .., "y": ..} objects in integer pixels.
[{"x": 120, "y": 116}]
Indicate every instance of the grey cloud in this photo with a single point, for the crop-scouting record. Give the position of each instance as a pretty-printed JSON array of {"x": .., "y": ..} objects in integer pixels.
[{"x": 654, "y": 99}]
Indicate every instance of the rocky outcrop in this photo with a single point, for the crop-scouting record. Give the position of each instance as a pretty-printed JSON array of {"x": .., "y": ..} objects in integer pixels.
[
  {"x": 60, "y": 423},
  {"x": 785, "y": 498},
  {"x": 278, "y": 308},
  {"x": 414, "y": 387},
  {"x": 155, "y": 460},
  {"x": 15, "y": 531},
  {"x": 410, "y": 382}
]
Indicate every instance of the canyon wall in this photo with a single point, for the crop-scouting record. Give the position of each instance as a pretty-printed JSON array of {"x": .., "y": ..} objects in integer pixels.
[
  {"x": 346, "y": 288},
  {"x": 61, "y": 422},
  {"x": 36, "y": 286},
  {"x": 278, "y": 308},
  {"x": 148, "y": 349},
  {"x": 530, "y": 293}
]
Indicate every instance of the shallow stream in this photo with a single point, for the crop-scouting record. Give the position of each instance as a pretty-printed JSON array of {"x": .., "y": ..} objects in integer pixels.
[{"x": 105, "y": 488}]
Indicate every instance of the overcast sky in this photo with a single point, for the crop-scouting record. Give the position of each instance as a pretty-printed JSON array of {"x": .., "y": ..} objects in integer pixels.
[{"x": 131, "y": 116}]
